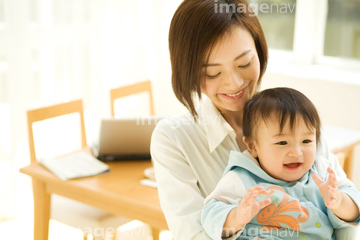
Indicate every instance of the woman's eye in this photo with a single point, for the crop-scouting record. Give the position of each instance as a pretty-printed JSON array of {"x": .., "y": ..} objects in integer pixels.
[
  {"x": 245, "y": 66},
  {"x": 281, "y": 143},
  {"x": 213, "y": 76},
  {"x": 307, "y": 141}
]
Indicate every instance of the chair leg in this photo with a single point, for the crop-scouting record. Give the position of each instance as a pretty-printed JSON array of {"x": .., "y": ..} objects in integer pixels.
[
  {"x": 99, "y": 238},
  {"x": 155, "y": 233},
  {"x": 86, "y": 237},
  {"x": 115, "y": 234}
]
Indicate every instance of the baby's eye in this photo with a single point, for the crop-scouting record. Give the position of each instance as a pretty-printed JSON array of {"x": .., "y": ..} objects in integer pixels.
[
  {"x": 307, "y": 141},
  {"x": 282, "y": 143}
]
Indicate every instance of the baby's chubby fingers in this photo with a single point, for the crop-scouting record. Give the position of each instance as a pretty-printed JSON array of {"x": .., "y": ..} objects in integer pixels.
[
  {"x": 254, "y": 192},
  {"x": 332, "y": 192},
  {"x": 329, "y": 189},
  {"x": 332, "y": 181},
  {"x": 334, "y": 200},
  {"x": 251, "y": 194},
  {"x": 264, "y": 203},
  {"x": 318, "y": 181},
  {"x": 249, "y": 207}
]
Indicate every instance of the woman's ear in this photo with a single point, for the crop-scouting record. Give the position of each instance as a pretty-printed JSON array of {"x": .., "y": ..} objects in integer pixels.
[{"x": 251, "y": 147}]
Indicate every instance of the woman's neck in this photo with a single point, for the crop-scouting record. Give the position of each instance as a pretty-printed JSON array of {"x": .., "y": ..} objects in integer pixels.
[{"x": 235, "y": 121}]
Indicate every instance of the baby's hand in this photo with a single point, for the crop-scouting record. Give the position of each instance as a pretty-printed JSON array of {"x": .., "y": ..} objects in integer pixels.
[
  {"x": 248, "y": 207},
  {"x": 329, "y": 190}
]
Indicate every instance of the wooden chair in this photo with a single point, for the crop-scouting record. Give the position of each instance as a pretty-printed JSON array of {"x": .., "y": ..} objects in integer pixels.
[
  {"x": 126, "y": 91},
  {"x": 130, "y": 90},
  {"x": 342, "y": 142},
  {"x": 52, "y": 112},
  {"x": 345, "y": 156},
  {"x": 74, "y": 213}
]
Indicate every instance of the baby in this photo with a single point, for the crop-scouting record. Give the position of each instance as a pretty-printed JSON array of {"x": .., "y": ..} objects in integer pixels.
[{"x": 280, "y": 188}]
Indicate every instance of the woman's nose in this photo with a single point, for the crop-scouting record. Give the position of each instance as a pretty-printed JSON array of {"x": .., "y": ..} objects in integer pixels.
[{"x": 234, "y": 80}]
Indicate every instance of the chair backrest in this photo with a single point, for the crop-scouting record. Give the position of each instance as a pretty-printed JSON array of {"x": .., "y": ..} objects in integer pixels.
[
  {"x": 130, "y": 90},
  {"x": 51, "y": 112},
  {"x": 346, "y": 158}
]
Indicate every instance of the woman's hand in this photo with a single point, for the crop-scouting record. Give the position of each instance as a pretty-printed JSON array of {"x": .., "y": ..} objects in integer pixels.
[
  {"x": 248, "y": 207},
  {"x": 329, "y": 190}
]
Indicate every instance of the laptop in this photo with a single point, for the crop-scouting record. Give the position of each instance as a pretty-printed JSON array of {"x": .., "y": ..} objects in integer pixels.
[{"x": 125, "y": 138}]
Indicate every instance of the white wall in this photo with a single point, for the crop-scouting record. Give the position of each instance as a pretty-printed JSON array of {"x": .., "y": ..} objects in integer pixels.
[
  {"x": 337, "y": 103},
  {"x": 164, "y": 99}
]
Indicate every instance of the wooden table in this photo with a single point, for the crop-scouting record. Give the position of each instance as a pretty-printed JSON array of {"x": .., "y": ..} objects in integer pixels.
[{"x": 118, "y": 192}]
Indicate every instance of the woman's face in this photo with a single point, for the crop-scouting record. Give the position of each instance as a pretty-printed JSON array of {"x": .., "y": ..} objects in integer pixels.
[{"x": 232, "y": 72}]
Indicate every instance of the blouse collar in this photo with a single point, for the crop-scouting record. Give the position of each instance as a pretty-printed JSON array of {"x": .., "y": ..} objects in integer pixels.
[{"x": 216, "y": 127}]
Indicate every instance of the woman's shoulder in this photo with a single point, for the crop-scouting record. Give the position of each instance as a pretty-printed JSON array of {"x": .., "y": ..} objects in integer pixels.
[
  {"x": 176, "y": 137},
  {"x": 176, "y": 124}
]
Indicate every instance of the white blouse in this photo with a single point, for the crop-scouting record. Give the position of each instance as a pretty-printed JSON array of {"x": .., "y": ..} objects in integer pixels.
[{"x": 189, "y": 159}]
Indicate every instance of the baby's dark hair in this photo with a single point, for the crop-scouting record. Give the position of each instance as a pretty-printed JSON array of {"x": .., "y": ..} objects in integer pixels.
[{"x": 281, "y": 104}]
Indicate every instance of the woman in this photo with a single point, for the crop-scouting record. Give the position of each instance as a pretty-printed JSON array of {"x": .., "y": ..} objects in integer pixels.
[{"x": 222, "y": 54}]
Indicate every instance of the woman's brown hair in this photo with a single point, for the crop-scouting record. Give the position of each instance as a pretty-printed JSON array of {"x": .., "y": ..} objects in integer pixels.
[{"x": 196, "y": 27}]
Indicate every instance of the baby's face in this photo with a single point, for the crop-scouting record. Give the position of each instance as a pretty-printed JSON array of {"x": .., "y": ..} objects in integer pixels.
[{"x": 285, "y": 155}]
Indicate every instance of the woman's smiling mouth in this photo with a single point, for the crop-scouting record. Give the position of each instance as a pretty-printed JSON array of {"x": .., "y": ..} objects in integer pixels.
[{"x": 234, "y": 96}]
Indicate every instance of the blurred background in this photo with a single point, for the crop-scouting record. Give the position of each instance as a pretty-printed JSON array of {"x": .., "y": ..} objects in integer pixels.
[{"x": 54, "y": 51}]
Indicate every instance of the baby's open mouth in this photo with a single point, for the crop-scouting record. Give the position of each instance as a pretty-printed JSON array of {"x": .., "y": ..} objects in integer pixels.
[{"x": 292, "y": 165}]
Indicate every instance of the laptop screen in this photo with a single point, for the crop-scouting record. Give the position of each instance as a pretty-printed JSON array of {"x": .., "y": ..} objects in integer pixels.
[{"x": 126, "y": 138}]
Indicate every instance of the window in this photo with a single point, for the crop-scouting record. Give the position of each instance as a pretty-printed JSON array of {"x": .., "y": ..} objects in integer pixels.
[
  {"x": 325, "y": 32},
  {"x": 277, "y": 19},
  {"x": 2, "y": 11},
  {"x": 33, "y": 11},
  {"x": 3, "y": 88},
  {"x": 342, "y": 35},
  {"x": 3, "y": 56}
]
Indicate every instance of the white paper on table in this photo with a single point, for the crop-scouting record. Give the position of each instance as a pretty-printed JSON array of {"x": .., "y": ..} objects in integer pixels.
[{"x": 80, "y": 164}]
